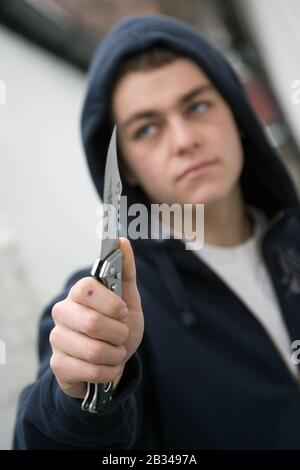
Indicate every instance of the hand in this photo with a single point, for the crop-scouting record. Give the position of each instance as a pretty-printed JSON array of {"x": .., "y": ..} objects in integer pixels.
[{"x": 96, "y": 331}]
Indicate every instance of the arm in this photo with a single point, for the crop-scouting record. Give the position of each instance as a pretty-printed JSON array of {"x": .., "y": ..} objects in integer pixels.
[{"x": 47, "y": 417}]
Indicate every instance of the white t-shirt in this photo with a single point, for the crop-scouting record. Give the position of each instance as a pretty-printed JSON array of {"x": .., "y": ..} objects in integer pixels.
[{"x": 241, "y": 267}]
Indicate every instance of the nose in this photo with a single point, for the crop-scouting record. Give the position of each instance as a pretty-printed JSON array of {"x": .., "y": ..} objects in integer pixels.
[{"x": 182, "y": 137}]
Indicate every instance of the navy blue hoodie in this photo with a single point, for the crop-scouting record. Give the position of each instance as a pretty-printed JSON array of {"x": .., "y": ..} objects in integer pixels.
[{"x": 242, "y": 395}]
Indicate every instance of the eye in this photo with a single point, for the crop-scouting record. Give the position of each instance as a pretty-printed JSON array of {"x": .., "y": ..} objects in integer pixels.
[
  {"x": 146, "y": 131},
  {"x": 197, "y": 108}
]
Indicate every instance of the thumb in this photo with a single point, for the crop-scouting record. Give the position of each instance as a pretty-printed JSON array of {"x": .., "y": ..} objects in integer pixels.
[
  {"x": 130, "y": 292},
  {"x": 129, "y": 271}
]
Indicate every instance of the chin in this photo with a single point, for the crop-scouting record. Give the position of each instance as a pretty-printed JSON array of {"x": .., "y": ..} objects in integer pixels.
[{"x": 209, "y": 196}]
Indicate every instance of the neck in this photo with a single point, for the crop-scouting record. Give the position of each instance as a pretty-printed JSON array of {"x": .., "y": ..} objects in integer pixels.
[{"x": 227, "y": 222}]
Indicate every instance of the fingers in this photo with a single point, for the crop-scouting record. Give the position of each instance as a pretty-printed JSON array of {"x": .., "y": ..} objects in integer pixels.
[
  {"x": 87, "y": 349},
  {"x": 92, "y": 293},
  {"x": 91, "y": 323},
  {"x": 96, "y": 331},
  {"x": 71, "y": 370}
]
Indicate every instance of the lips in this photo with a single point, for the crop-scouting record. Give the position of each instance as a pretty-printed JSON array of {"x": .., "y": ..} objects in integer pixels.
[{"x": 199, "y": 168}]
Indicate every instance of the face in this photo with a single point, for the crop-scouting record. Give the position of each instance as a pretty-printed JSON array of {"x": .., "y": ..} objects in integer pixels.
[{"x": 178, "y": 136}]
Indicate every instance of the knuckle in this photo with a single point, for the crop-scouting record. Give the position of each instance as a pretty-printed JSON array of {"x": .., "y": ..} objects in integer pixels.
[
  {"x": 124, "y": 333},
  {"x": 111, "y": 373},
  {"x": 94, "y": 351},
  {"x": 99, "y": 374},
  {"x": 60, "y": 368},
  {"x": 52, "y": 337},
  {"x": 54, "y": 363},
  {"x": 80, "y": 290},
  {"x": 123, "y": 353},
  {"x": 94, "y": 374},
  {"x": 92, "y": 324},
  {"x": 116, "y": 305},
  {"x": 56, "y": 311},
  {"x": 121, "y": 334},
  {"x": 115, "y": 372},
  {"x": 119, "y": 355}
]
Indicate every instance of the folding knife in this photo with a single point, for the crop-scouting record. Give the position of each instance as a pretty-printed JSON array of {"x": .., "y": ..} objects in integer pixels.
[{"x": 108, "y": 267}]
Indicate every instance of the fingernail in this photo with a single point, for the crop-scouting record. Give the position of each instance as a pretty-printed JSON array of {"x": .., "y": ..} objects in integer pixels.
[{"x": 123, "y": 312}]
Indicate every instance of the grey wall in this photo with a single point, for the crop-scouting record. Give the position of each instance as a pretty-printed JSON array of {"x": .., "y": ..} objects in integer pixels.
[{"x": 47, "y": 203}]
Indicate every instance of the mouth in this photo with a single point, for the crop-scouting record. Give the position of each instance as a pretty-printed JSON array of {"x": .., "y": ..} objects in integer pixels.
[{"x": 198, "y": 169}]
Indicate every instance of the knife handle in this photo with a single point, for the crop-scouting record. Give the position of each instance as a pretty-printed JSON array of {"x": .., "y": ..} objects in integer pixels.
[{"x": 109, "y": 272}]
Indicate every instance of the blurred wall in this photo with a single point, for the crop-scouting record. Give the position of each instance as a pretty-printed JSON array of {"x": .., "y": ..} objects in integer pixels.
[
  {"x": 274, "y": 27},
  {"x": 47, "y": 203}
]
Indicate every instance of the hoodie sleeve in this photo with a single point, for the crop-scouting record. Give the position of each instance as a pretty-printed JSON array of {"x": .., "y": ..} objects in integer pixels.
[{"x": 49, "y": 419}]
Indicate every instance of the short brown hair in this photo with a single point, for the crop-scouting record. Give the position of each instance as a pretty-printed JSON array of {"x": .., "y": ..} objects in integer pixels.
[{"x": 152, "y": 58}]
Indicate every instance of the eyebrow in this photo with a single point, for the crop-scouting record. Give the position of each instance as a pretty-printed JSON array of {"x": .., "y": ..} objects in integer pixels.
[{"x": 148, "y": 114}]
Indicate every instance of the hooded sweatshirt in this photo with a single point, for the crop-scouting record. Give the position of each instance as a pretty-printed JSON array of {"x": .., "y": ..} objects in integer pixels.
[{"x": 207, "y": 375}]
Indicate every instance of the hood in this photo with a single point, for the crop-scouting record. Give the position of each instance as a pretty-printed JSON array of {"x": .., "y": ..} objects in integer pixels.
[{"x": 265, "y": 181}]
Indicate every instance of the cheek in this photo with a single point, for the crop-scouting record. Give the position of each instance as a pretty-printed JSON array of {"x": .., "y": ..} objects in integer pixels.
[
  {"x": 232, "y": 149},
  {"x": 151, "y": 178},
  {"x": 237, "y": 157},
  {"x": 149, "y": 171},
  {"x": 146, "y": 164}
]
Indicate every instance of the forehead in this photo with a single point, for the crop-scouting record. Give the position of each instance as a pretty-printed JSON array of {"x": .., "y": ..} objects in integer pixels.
[{"x": 157, "y": 87}]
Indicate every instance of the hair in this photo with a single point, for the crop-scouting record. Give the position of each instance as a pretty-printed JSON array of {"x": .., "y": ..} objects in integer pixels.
[{"x": 149, "y": 59}]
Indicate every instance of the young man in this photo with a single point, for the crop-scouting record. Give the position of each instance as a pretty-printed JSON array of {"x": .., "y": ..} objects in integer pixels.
[{"x": 199, "y": 348}]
